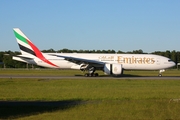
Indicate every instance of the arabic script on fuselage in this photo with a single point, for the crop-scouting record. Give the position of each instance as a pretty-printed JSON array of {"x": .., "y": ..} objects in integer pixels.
[{"x": 128, "y": 60}]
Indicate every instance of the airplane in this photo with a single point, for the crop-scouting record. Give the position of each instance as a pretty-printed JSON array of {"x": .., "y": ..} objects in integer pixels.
[{"x": 111, "y": 64}]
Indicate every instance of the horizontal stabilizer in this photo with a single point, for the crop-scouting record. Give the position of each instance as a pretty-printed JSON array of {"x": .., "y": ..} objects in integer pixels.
[{"x": 24, "y": 56}]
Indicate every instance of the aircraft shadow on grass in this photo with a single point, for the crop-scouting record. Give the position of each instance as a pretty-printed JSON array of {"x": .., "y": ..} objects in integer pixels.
[{"x": 17, "y": 109}]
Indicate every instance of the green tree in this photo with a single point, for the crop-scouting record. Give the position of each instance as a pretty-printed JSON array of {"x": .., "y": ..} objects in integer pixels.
[{"x": 174, "y": 56}]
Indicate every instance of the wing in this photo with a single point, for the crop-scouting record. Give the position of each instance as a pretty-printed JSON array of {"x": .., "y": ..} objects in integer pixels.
[{"x": 81, "y": 60}]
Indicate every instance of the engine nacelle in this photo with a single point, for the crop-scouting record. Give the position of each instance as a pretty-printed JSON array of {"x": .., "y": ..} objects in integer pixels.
[{"x": 113, "y": 69}]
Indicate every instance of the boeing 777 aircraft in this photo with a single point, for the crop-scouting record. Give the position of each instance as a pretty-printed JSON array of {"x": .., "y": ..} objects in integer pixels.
[{"x": 111, "y": 64}]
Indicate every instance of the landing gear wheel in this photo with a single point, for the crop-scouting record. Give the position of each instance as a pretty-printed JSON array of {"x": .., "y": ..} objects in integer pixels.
[
  {"x": 160, "y": 75},
  {"x": 91, "y": 74},
  {"x": 91, "y": 71},
  {"x": 160, "y": 72},
  {"x": 86, "y": 75},
  {"x": 96, "y": 74}
]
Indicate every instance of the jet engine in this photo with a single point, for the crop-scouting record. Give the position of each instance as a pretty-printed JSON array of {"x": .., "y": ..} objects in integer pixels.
[{"x": 113, "y": 69}]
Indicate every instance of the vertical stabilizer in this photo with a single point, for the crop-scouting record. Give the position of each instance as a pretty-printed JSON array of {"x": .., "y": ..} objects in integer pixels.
[
  {"x": 28, "y": 48},
  {"x": 25, "y": 45}
]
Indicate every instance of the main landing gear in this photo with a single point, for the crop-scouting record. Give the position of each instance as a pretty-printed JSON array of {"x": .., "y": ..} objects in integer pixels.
[
  {"x": 160, "y": 72},
  {"x": 91, "y": 73}
]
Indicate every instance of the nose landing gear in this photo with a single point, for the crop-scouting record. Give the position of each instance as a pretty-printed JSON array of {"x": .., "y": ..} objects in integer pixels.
[{"x": 160, "y": 72}]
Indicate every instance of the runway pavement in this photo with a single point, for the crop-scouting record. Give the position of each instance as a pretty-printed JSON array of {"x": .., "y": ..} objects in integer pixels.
[{"x": 100, "y": 77}]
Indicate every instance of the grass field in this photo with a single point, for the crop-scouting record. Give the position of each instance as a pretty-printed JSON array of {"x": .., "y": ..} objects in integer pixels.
[
  {"x": 100, "y": 99},
  {"x": 56, "y": 72}
]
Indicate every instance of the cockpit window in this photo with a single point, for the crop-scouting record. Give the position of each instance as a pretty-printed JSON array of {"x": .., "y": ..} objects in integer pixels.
[{"x": 169, "y": 60}]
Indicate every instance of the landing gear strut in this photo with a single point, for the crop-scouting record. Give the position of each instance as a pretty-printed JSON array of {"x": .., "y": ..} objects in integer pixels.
[
  {"x": 91, "y": 73},
  {"x": 160, "y": 72}
]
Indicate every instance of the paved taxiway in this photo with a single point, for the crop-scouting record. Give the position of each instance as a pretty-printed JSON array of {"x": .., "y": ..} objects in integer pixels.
[{"x": 100, "y": 77}]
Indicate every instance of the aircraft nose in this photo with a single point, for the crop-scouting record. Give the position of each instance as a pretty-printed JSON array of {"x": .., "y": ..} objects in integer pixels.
[
  {"x": 170, "y": 63},
  {"x": 173, "y": 64}
]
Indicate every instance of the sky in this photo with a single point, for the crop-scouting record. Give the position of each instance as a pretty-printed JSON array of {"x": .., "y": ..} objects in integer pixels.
[{"x": 125, "y": 25}]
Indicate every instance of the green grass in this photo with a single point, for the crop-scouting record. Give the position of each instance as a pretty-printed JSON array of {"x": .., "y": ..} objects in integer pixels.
[
  {"x": 89, "y": 99},
  {"x": 168, "y": 72},
  {"x": 56, "y": 72},
  {"x": 39, "y": 72}
]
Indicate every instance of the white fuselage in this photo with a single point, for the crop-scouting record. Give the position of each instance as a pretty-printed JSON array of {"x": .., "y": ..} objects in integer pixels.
[{"x": 128, "y": 61}]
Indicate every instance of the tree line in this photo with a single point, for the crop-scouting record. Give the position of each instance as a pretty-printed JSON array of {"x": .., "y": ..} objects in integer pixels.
[{"x": 7, "y": 62}]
